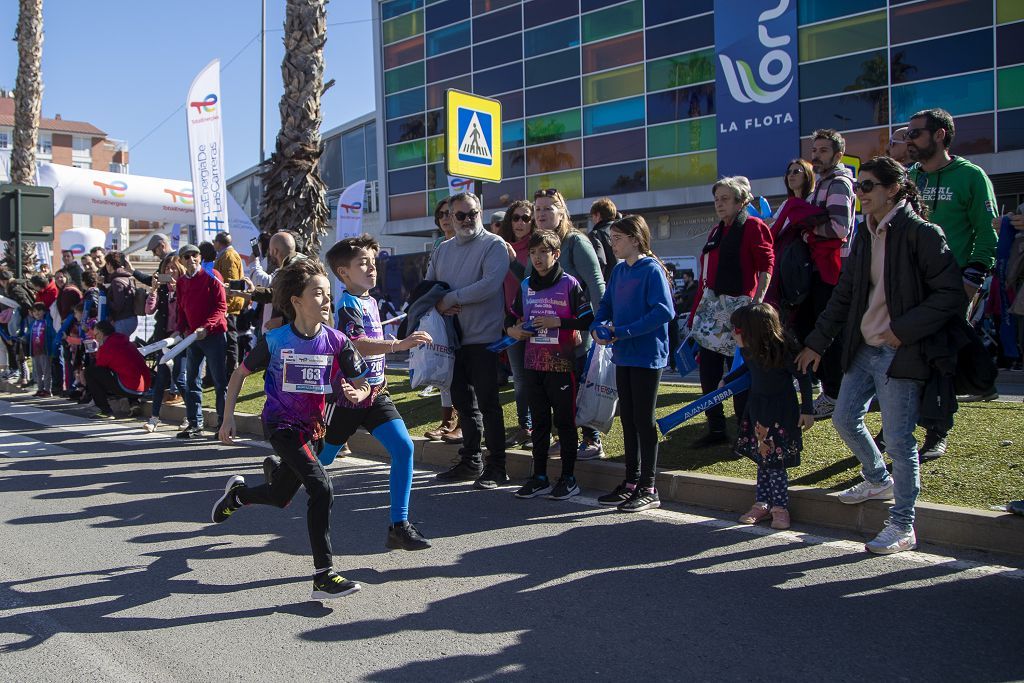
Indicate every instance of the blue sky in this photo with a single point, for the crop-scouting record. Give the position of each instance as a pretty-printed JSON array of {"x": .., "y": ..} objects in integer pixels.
[{"x": 126, "y": 65}]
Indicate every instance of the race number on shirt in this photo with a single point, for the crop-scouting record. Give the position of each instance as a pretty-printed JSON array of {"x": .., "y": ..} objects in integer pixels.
[
  {"x": 306, "y": 374},
  {"x": 547, "y": 336}
]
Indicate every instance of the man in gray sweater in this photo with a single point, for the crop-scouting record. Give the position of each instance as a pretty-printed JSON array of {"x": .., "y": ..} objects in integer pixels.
[{"x": 474, "y": 264}]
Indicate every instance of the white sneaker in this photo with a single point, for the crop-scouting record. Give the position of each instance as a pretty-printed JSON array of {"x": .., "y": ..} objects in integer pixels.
[
  {"x": 590, "y": 451},
  {"x": 892, "y": 539},
  {"x": 866, "y": 491},
  {"x": 429, "y": 390},
  {"x": 824, "y": 407},
  {"x": 151, "y": 424}
]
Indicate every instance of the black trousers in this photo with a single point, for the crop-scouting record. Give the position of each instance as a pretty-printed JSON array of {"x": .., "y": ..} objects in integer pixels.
[
  {"x": 830, "y": 370},
  {"x": 475, "y": 395},
  {"x": 712, "y": 368},
  {"x": 104, "y": 385},
  {"x": 231, "y": 340},
  {"x": 299, "y": 467},
  {"x": 552, "y": 392},
  {"x": 638, "y": 395}
]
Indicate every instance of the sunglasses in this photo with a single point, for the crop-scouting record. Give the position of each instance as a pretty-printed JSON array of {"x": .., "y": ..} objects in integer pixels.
[
  {"x": 915, "y": 133},
  {"x": 521, "y": 218},
  {"x": 550, "y": 192},
  {"x": 462, "y": 216},
  {"x": 866, "y": 185},
  {"x": 444, "y": 214},
  {"x": 795, "y": 171}
]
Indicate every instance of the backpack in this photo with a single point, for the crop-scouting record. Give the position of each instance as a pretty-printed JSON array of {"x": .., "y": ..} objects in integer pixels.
[
  {"x": 139, "y": 296},
  {"x": 795, "y": 273}
]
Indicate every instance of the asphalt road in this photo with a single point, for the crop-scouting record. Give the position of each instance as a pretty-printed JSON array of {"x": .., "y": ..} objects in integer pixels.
[{"x": 110, "y": 570}]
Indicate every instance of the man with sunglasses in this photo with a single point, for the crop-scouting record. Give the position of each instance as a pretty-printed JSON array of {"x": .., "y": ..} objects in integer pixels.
[
  {"x": 474, "y": 264},
  {"x": 961, "y": 201}
]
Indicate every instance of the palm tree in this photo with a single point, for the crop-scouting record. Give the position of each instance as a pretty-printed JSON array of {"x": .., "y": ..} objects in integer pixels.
[
  {"x": 28, "y": 100},
  {"x": 294, "y": 196}
]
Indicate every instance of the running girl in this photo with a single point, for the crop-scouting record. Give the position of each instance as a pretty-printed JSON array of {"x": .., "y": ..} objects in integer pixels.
[
  {"x": 772, "y": 422},
  {"x": 636, "y": 308},
  {"x": 300, "y": 360}
]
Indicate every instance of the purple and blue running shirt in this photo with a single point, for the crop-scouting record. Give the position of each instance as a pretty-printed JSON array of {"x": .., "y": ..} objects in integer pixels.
[
  {"x": 358, "y": 317},
  {"x": 299, "y": 375}
]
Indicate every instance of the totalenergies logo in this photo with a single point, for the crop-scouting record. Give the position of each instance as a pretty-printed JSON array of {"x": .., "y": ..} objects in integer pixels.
[
  {"x": 740, "y": 77},
  {"x": 184, "y": 195},
  {"x": 458, "y": 185},
  {"x": 116, "y": 190},
  {"x": 349, "y": 209},
  {"x": 206, "y": 106}
]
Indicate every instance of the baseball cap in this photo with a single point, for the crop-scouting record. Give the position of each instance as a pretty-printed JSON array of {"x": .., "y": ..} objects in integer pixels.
[
  {"x": 188, "y": 249},
  {"x": 497, "y": 216},
  {"x": 157, "y": 239}
]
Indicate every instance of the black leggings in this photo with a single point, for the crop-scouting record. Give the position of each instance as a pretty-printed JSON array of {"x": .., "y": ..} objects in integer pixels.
[
  {"x": 713, "y": 367},
  {"x": 299, "y": 467},
  {"x": 638, "y": 395},
  {"x": 547, "y": 392}
]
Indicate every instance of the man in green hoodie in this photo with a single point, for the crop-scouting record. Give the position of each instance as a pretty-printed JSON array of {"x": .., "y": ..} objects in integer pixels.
[{"x": 961, "y": 201}]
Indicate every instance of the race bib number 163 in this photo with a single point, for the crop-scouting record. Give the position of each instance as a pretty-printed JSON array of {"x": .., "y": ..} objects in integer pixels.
[{"x": 306, "y": 374}]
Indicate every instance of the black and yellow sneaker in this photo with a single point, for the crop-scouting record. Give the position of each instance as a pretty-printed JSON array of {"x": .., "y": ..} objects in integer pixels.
[
  {"x": 228, "y": 503},
  {"x": 404, "y": 536},
  {"x": 329, "y": 585}
]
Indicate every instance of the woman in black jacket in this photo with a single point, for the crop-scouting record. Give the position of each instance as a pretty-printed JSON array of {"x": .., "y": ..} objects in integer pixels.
[{"x": 899, "y": 286}]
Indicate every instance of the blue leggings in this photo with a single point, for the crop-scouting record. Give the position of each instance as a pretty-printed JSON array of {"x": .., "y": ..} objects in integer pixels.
[
  {"x": 395, "y": 438},
  {"x": 773, "y": 486}
]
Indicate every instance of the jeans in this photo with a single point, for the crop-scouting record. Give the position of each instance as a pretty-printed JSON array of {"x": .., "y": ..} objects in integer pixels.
[
  {"x": 475, "y": 396},
  {"x": 517, "y": 362},
  {"x": 41, "y": 372},
  {"x": 212, "y": 348},
  {"x": 126, "y": 325},
  {"x": 898, "y": 400},
  {"x": 166, "y": 377}
]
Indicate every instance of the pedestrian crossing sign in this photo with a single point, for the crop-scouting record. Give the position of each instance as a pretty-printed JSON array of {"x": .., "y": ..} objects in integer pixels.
[{"x": 473, "y": 136}]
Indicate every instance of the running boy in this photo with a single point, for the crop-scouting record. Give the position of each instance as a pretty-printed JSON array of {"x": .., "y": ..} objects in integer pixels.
[
  {"x": 554, "y": 304},
  {"x": 353, "y": 260},
  {"x": 300, "y": 360}
]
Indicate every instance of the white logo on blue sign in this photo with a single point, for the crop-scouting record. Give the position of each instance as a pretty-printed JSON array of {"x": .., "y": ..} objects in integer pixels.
[{"x": 475, "y": 136}]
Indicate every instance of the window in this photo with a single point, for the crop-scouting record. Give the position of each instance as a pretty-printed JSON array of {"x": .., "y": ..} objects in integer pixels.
[
  {"x": 436, "y": 122},
  {"x": 604, "y": 118},
  {"x": 669, "y": 173},
  {"x": 331, "y": 163},
  {"x": 855, "y": 72},
  {"x": 498, "y": 195},
  {"x": 44, "y": 144},
  {"x": 404, "y": 52},
  {"x": 612, "y": 85},
  {"x": 436, "y": 92},
  {"x": 437, "y": 176},
  {"x": 551, "y": 127},
  {"x": 680, "y": 36},
  {"x": 81, "y": 220},
  {"x": 942, "y": 56},
  {"x": 608, "y": 149},
  {"x": 407, "y": 154},
  {"x": 553, "y": 67},
  {"x": 447, "y": 12},
  {"x": 5, "y": 140},
  {"x": 935, "y": 17},
  {"x": 513, "y": 133},
  {"x": 540, "y": 12},
  {"x": 370, "y": 133},
  {"x": 591, "y": 5},
  {"x": 1011, "y": 87},
  {"x": 557, "y": 156},
  {"x": 660, "y": 11},
  {"x": 390, "y": 10},
  {"x": 82, "y": 164},
  {"x": 684, "y": 103},
  {"x": 513, "y": 162},
  {"x": 405, "y": 129},
  {"x": 612, "y": 21},
  {"x": 1009, "y": 10},
  {"x": 435, "y": 149},
  {"x": 975, "y": 134},
  {"x": 842, "y": 36},
  {"x": 400, "y": 28},
  {"x": 499, "y": 24},
  {"x": 1011, "y": 130},
  {"x": 407, "y": 180},
  {"x": 502, "y": 79},
  {"x": 862, "y": 143},
  {"x": 481, "y": 6},
  {"x": 407, "y": 206},
  {"x": 448, "y": 66},
  {"x": 511, "y": 105},
  {"x": 448, "y": 39},
  {"x": 81, "y": 145},
  {"x": 404, "y": 104},
  {"x": 403, "y": 78},
  {"x": 846, "y": 112},
  {"x": 498, "y": 52},
  {"x": 959, "y": 95},
  {"x": 613, "y": 52},
  {"x": 553, "y": 97},
  {"x": 569, "y": 183},
  {"x": 631, "y": 177},
  {"x": 1010, "y": 44},
  {"x": 811, "y": 11},
  {"x": 673, "y": 72},
  {"x": 682, "y": 136},
  {"x": 551, "y": 38}
]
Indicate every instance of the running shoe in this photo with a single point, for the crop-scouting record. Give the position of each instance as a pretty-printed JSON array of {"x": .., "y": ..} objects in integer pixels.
[
  {"x": 620, "y": 495},
  {"x": 642, "y": 499},
  {"x": 536, "y": 486},
  {"x": 933, "y": 448},
  {"x": 103, "y": 415},
  {"x": 404, "y": 536},
  {"x": 151, "y": 424},
  {"x": 463, "y": 470},
  {"x": 865, "y": 490},
  {"x": 330, "y": 584},
  {"x": 565, "y": 488},
  {"x": 492, "y": 477},
  {"x": 824, "y": 406},
  {"x": 228, "y": 503},
  {"x": 892, "y": 539},
  {"x": 590, "y": 451}
]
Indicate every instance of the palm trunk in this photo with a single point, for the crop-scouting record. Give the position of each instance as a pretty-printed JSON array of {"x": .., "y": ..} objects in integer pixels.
[{"x": 294, "y": 196}]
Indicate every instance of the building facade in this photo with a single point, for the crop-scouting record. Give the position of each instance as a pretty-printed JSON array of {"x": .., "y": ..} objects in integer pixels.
[{"x": 623, "y": 98}]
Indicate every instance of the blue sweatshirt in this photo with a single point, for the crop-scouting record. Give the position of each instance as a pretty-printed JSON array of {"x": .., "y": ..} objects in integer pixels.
[{"x": 638, "y": 303}]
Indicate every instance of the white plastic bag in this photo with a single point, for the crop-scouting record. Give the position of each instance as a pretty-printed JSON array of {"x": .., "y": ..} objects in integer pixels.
[
  {"x": 432, "y": 364},
  {"x": 598, "y": 397}
]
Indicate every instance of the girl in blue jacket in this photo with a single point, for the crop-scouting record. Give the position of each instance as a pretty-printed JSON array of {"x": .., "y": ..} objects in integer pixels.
[{"x": 636, "y": 308}]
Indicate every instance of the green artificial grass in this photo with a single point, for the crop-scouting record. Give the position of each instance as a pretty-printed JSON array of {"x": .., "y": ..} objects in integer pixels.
[{"x": 976, "y": 472}]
